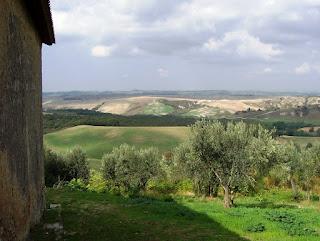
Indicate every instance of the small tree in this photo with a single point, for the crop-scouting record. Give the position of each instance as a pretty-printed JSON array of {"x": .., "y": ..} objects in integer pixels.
[
  {"x": 130, "y": 169},
  {"x": 149, "y": 165},
  {"x": 167, "y": 166},
  {"x": 204, "y": 181},
  {"x": 235, "y": 153},
  {"x": 55, "y": 167},
  {"x": 309, "y": 168},
  {"x": 78, "y": 165},
  {"x": 289, "y": 165}
]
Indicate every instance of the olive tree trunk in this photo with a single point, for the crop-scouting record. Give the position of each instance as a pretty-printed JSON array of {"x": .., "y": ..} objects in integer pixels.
[
  {"x": 294, "y": 188},
  {"x": 227, "y": 197}
]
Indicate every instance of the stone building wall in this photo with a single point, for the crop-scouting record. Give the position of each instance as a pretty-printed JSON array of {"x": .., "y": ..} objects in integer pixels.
[{"x": 21, "y": 163}]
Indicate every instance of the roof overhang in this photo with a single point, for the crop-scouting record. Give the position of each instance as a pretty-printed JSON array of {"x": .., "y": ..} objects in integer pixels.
[{"x": 41, "y": 15}]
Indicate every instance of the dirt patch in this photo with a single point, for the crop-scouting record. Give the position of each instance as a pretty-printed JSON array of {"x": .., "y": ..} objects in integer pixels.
[
  {"x": 119, "y": 107},
  {"x": 233, "y": 105}
]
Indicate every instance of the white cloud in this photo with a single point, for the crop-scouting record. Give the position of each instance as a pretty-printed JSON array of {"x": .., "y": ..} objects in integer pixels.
[
  {"x": 163, "y": 72},
  {"x": 102, "y": 50},
  {"x": 239, "y": 30},
  {"x": 101, "y": 18},
  {"x": 95, "y": 19},
  {"x": 244, "y": 45},
  {"x": 221, "y": 38},
  {"x": 136, "y": 51},
  {"x": 213, "y": 44},
  {"x": 267, "y": 70},
  {"x": 305, "y": 68}
]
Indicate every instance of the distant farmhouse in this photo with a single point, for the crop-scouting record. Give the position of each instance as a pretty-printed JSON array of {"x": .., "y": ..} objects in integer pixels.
[{"x": 24, "y": 26}]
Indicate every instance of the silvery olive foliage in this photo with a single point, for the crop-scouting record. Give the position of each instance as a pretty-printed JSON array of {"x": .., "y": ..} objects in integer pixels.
[
  {"x": 78, "y": 165},
  {"x": 298, "y": 167},
  {"x": 234, "y": 153},
  {"x": 129, "y": 169}
]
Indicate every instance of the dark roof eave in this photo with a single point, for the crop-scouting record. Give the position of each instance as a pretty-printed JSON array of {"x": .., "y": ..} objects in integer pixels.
[
  {"x": 48, "y": 38},
  {"x": 41, "y": 15}
]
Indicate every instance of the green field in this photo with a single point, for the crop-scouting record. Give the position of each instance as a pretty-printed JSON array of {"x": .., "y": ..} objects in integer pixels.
[
  {"x": 88, "y": 216},
  {"x": 96, "y": 140},
  {"x": 158, "y": 108}
]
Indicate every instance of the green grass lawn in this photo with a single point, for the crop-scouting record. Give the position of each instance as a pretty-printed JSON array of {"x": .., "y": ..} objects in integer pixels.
[
  {"x": 88, "y": 216},
  {"x": 96, "y": 140}
]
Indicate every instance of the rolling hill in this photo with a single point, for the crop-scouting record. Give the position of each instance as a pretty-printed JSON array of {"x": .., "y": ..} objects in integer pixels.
[
  {"x": 194, "y": 105},
  {"x": 96, "y": 141}
]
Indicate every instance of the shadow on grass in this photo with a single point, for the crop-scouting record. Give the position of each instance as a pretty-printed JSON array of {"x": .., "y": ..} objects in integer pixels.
[{"x": 104, "y": 217}]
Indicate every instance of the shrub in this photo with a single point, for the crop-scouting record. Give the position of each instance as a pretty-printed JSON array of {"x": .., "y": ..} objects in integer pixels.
[
  {"x": 128, "y": 169},
  {"x": 97, "y": 183},
  {"x": 55, "y": 167},
  {"x": 290, "y": 223},
  {"x": 59, "y": 168},
  {"x": 185, "y": 186},
  {"x": 256, "y": 228},
  {"x": 78, "y": 166},
  {"x": 163, "y": 187},
  {"x": 77, "y": 185},
  {"x": 315, "y": 198}
]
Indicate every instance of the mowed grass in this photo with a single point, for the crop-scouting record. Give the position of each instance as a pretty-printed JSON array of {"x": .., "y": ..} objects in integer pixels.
[
  {"x": 96, "y": 140},
  {"x": 88, "y": 216}
]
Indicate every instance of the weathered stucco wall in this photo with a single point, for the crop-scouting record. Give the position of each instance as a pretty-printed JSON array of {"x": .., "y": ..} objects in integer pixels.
[{"x": 21, "y": 164}]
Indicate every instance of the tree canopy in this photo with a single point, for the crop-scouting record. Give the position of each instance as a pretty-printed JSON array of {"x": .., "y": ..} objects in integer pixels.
[{"x": 234, "y": 152}]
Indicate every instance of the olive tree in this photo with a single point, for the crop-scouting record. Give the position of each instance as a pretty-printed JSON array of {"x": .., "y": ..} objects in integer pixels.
[
  {"x": 130, "y": 169},
  {"x": 288, "y": 166},
  {"x": 78, "y": 165},
  {"x": 187, "y": 166},
  {"x": 234, "y": 153},
  {"x": 298, "y": 166},
  {"x": 309, "y": 163},
  {"x": 148, "y": 165}
]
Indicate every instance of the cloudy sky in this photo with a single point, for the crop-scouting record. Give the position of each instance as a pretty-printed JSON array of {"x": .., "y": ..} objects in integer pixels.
[{"x": 184, "y": 45}]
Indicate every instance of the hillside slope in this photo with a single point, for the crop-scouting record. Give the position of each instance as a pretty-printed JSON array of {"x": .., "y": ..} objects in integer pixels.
[
  {"x": 97, "y": 140},
  {"x": 187, "y": 106}
]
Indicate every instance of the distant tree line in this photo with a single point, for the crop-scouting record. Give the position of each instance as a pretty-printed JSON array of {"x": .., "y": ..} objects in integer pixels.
[
  {"x": 59, "y": 119},
  {"x": 292, "y": 128}
]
